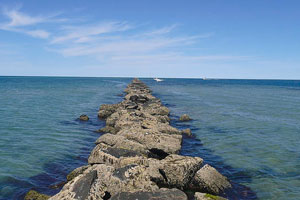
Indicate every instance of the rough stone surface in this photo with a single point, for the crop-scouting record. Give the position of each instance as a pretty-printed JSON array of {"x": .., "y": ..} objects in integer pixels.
[
  {"x": 208, "y": 179},
  {"x": 178, "y": 171},
  {"x": 107, "y": 129},
  {"x": 162, "y": 194},
  {"x": 34, "y": 195},
  {"x": 106, "y": 110}
]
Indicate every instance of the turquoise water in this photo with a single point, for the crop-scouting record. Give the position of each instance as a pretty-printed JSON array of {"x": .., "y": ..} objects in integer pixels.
[{"x": 248, "y": 129}]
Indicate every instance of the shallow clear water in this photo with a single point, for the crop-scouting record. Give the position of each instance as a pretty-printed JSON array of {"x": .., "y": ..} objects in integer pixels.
[{"x": 248, "y": 129}]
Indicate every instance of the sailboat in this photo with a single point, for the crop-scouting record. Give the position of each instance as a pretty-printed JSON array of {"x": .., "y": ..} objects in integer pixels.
[{"x": 157, "y": 79}]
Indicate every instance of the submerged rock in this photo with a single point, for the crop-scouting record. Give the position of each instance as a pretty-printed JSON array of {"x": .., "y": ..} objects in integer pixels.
[
  {"x": 34, "y": 195},
  {"x": 187, "y": 132},
  {"x": 184, "y": 117},
  {"x": 84, "y": 118},
  {"x": 208, "y": 179}
]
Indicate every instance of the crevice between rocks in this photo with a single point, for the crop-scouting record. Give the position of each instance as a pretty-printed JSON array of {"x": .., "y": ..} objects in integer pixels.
[{"x": 157, "y": 153}]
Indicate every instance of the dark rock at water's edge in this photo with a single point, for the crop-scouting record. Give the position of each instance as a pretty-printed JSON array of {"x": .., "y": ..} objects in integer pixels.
[
  {"x": 187, "y": 132},
  {"x": 138, "y": 156},
  {"x": 184, "y": 118},
  {"x": 83, "y": 118}
]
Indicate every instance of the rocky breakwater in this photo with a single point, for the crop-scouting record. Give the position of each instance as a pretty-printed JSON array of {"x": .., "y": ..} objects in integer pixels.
[{"x": 137, "y": 157}]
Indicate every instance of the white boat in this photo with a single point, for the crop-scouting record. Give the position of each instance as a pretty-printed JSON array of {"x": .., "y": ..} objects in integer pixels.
[
  {"x": 157, "y": 79},
  {"x": 204, "y": 78}
]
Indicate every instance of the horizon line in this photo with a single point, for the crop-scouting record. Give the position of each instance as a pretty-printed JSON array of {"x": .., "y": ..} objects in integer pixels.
[{"x": 203, "y": 78}]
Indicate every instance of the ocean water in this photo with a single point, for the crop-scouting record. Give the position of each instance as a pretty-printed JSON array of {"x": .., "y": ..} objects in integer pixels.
[{"x": 247, "y": 129}]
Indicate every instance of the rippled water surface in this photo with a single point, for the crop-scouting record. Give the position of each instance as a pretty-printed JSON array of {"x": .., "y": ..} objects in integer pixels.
[{"x": 248, "y": 129}]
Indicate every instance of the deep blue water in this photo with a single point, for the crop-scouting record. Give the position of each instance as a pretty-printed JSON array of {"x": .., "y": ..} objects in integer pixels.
[{"x": 248, "y": 129}]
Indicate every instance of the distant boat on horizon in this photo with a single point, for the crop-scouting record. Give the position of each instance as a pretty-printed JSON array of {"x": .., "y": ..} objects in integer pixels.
[
  {"x": 204, "y": 78},
  {"x": 158, "y": 80}
]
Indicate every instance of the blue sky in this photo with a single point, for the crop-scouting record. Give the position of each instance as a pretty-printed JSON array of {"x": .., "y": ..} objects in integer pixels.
[{"x": 143, "y": 38}]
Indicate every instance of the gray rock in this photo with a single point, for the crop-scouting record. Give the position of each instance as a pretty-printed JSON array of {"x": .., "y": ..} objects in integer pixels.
[
  {"x": 120, "y": 142},
  {"x": 178, "y": 171},
  {"x": 82, "y": 187},
  {"x": 208, "y": 179},
  {"x": 153, "y": 140},
  {"x": 102, "y": 154}
]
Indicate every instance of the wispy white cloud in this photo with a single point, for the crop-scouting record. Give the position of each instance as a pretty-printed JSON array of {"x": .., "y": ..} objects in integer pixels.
[
  {"x": 125, "y": 46},
  {"x": 114, "y": 42},
  {"x": 38, "y": 33},
  {"x": 18, "y": 19},
  {"x": 83, "y": 33},
  {"x": 161, "y": 31},
  {"x": 22, "y": 23}
]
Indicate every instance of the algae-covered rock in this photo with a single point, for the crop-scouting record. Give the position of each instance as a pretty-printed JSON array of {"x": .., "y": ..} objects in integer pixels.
[
  {"x": 84, "y": 118},
  {"x": 184, "y": 117},
  {"x": 76, "y": 172},
  {"x": 205, "y": 196},
  {"x": 208, "y": 179},
  {"x": 34, "y": 195}
]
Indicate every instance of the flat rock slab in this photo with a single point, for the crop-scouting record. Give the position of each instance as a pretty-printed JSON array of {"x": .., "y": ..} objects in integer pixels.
[
  {"x": 83, "y": 185},
  {"x": 162, "y": 194}
]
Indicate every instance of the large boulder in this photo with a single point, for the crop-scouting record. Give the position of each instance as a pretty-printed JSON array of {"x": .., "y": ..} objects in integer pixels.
[
  {"x": 178, "y": 171},
  {"x": 153, "y": 140},
  {"x": 106, "y": 110},
  {"x": 121, "y": 142},
  {"x": 104, "y": 154},
  {"x": 103, "y": 181},
  {"x": 208, "y": 179}
]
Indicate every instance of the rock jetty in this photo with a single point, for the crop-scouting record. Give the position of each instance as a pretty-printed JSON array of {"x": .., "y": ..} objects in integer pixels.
[{"x": 137, "y": 157}]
